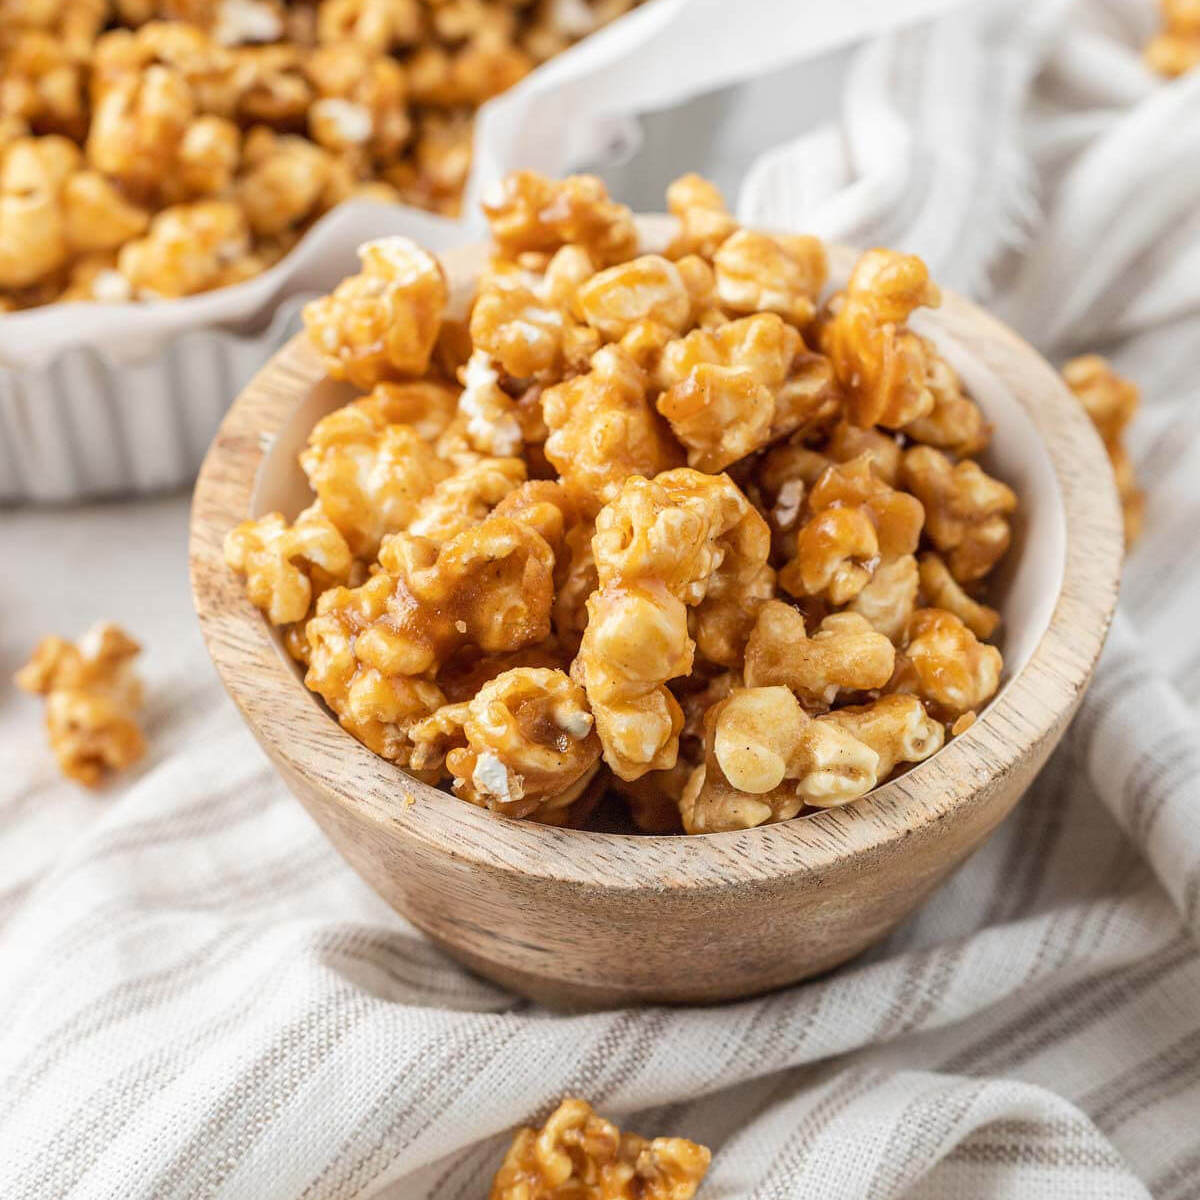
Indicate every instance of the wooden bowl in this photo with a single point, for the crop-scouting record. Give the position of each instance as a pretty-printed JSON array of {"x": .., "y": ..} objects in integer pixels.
[{"x": 574, "y": 917}]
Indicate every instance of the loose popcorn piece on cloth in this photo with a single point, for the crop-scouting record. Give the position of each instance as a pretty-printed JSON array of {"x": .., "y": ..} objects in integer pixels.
[
  {"x": 92, "y": 699},
  {"x": 1111, "y": 402},
  {"x": 510, "y": 584},
  {"x": 578, "y": 1155},
  {"x": 1176, "y": 48},
  {"x": 123, "y": 116}
]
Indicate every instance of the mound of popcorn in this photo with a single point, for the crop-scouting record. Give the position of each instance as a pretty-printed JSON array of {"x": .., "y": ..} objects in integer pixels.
[
  {"x": 578, "y": 1155},
  {"x": 159, "y": 148},
  {"x": 670, "y": 529}
]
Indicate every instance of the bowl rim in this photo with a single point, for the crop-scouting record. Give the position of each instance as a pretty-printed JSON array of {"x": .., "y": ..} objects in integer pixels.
[{"x": 304, "y": 740}]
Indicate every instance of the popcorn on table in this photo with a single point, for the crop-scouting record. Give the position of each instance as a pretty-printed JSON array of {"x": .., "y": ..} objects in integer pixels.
[
  {"x": 92, "y": 699},
  {"x": 660, "y": 526},
  {"x": 578, "y": 1155}
]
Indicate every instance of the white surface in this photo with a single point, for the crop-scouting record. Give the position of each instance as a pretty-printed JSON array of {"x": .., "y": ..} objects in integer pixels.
[{"x": 198, "y": 999}]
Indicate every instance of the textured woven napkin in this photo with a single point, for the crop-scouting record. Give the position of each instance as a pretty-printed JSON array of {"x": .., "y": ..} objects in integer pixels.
[{"x": 198, "y": 999}]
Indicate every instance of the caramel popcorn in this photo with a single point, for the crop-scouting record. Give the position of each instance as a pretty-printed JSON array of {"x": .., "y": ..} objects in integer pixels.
[
  {"x": 186, "y": 249},
  {"x": 1176, "y": 49},
  {"x": 659, "y": 546},
  {"x": 879, "y": 362},
  {"x": 954, "y": 423},
  {"x": 284, "y": 564},
  {"x": 704, "y": 221},
  {"x": 844, "y": 654},
  {"x": 577, "y": 1155},
  {"x": 941, "y": 590},
  {"x": 383, "y": 322},
  {"x": 946, "y": 665},
  {"x": 281, "y": 110},
  {"x": 766, "y": 759},
  {"x": 528, "y": 212},
  {"x": 510, "y": 585},
  {"x": 603, "y": 429},
  {"x": 966, "y": 510},
  {"x": 1111, "y": 402},
  {"x": 758, "y": 273},
  {"x": 897, "y": 728},
  {"x": 857, "y": 523},
  {"x": 729, "y": 391},
  {"x": 92, "y": 699},
  {"x": 523, "y": 746}
]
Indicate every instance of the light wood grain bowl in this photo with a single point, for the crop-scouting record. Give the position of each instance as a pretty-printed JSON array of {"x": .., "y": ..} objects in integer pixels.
[{"x": 574, "y": 917}]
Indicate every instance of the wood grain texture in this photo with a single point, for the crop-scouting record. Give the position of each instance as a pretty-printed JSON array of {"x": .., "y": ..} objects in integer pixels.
[{"x": 579, "y": 918}]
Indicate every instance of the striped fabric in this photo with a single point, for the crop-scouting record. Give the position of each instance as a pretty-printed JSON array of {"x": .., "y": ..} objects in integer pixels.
[{"x": 198, "y": 999}]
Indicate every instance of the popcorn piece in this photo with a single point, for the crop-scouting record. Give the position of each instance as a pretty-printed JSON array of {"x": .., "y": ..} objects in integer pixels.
[
  {"x": 642, "y": 303},
  {"x": 383, "y": 322},
  {"x": 966, "y": 510},
  {"x": 369, "y": 474},
  {"x": 138, "y": 123},
  {"x": 704, "y": 221},
  {"x": 283, "y": 563},
  {"x": 577, "y": 1155},
  {"x": 42, "y": 82},
  {"x": 730, "y": 390},
  {"x": 521, "y": 321},
  {"x": 603, "y": 430},
  {"x": 890, "y": 596},
  {"x": 424, "y": 404},
  {"x": 897, "y": 728},
  {"x": 955, "y": 423},
  {"x": 282, "y": 185},
  {"x": 881, "y": 364},
  {"x": 209, "y": 155},
  {"x": 719, "y": 413},
  {"x": 33, "y": 232},
  {"x": 857, "y": 520},
  {"x": 92, "y": 698},
  {"x": 941, "y": 590},
  {"x": 528, "y": 212},
  {"x": 847, "y": 442},
  {"x": 188, "y": 248},
  {"x": 766, "y": 759},
  {"x": 380, "y": 24},
  {"x": 844, "y": 655},
  {"x": 1111, "y": 402},
  {"x": 362, "y": 103},
  {"x": 659, "y": 547},
  {"x": 1176, "y": 49},
  {"x": 520, "y": 746},
  {"x": 951, "y": 669},
  {"x": 466, "y": 497},
  {"x": 758, "y": 273},
  {"x": 492, "y": 424},
  {"x": 96, "y": 216}
]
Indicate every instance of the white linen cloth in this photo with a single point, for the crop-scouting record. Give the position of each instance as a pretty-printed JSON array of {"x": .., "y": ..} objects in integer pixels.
[{"x": 199, "y": 999}]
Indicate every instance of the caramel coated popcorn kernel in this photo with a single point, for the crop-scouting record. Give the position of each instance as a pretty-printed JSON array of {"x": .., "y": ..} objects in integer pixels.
[
  {"x": 92, "y": 699},
  {"x": 1111, "y": 402},
  {"x": 509, "y": 583},
  {"x": 578, "y": 1155}
]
